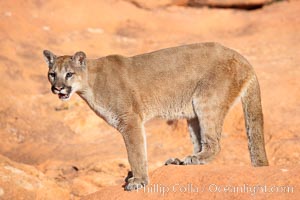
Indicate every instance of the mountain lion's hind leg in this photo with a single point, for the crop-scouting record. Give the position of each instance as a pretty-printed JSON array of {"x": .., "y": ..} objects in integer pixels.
[
  {"x": 194, "y": 129},
  {"x": 195, "y": 133},
  {"x": 211, "y": 120},
  {"x": 211, "y": 113}
]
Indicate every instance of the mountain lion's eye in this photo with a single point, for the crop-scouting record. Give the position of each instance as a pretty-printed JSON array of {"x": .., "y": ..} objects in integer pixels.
[
  {"x": 52, "y": 74},
  {"x": 69, "y": 75}
]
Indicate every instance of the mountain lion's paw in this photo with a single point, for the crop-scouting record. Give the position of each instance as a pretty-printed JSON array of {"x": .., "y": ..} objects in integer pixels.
[
  {"x": 191, "y": 160},
  {"x": 135, "y": 184},
  {"x": 173, "y": 161}
]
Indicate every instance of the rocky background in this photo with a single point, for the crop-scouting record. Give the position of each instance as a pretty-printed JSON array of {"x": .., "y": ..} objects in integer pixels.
[{"x": 55, "y": 150}]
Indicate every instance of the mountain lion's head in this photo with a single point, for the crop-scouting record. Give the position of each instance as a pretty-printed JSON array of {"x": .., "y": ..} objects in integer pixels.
[{"x": 65, "y": 73}]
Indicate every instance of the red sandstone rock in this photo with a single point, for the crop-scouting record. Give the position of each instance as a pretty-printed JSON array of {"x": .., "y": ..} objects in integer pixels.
[{"x": 19, "y": 181}]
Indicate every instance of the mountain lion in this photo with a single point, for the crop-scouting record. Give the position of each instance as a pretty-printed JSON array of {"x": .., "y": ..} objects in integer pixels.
[{"x": 198, "y": 82}]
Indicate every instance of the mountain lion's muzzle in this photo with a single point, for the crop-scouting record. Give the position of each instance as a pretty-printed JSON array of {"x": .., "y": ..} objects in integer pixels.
[{"x": 63, "y": 92}]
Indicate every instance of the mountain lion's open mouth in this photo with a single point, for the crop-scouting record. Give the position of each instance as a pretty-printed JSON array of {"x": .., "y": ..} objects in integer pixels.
[{"x": 63, "y": 96}]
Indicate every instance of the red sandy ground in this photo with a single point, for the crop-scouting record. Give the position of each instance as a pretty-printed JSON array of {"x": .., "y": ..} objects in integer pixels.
[{"x": 72, "y": 153}]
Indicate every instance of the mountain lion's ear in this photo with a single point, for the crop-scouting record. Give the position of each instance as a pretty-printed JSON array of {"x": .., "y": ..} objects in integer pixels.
[
  {"x": 49, "y": 57},
  {"x": 79, "y": 59}
]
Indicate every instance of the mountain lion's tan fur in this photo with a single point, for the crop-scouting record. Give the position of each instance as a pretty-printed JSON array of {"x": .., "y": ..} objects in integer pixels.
[{"x": 198, "y": 82}]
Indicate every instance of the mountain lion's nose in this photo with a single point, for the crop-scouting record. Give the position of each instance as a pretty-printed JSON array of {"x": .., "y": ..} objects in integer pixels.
[{"x": 58, "y": 88}]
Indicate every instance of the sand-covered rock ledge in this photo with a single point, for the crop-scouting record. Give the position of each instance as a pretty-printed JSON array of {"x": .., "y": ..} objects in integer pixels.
[{"x": 212, "y": 182}]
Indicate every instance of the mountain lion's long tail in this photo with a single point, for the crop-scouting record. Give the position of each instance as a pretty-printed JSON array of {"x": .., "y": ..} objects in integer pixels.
[{"x": 251, "y": 102}]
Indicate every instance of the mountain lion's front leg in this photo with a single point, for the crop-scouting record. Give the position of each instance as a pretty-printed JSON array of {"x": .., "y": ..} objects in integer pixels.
[{"x": 135, "y": 140}]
